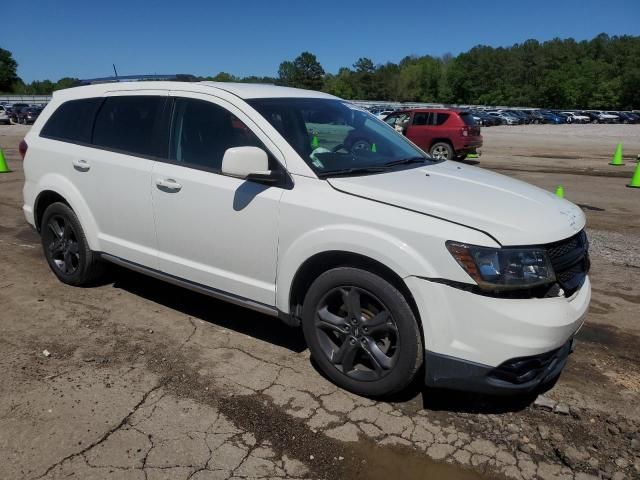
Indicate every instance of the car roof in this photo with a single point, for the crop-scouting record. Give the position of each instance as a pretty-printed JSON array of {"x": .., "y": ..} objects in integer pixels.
[{"x": 242, "y": 90}]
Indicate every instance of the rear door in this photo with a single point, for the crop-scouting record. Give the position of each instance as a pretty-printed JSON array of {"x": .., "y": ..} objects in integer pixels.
[
  {"x": 114, "y": 174},
  {"x": 419, "y": 130}
]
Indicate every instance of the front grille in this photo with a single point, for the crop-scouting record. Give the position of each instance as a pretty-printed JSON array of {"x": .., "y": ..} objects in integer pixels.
[{"x": 570, "y": 260}]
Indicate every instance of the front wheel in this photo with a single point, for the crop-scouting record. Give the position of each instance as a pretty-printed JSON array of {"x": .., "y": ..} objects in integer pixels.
[
  {"x": 66, "y": 248},
  {"x": 361, "y": 332},
  {"x": 442, "y": 151}
]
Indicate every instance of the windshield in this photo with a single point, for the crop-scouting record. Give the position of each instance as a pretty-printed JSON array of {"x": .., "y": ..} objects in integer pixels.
[{"x": 335, "y": 137}]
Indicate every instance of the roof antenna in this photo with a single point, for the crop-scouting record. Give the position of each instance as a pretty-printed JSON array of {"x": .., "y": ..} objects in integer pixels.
[{"x": 114, "y": 70}]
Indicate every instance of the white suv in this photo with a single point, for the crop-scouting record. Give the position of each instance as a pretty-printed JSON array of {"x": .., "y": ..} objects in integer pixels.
[{"x": 300, "y": 205}]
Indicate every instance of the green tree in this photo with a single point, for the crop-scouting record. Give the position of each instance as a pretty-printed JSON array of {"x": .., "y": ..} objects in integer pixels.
[
  {"x": 364, "y": 65},
  {"x": 287, "y": 74},
  {"x": 66, "y": 82},
  {"x": 224, "y": 77},
  {"x": 8, "y": 71},
  {"x": 304, "y": 72}
]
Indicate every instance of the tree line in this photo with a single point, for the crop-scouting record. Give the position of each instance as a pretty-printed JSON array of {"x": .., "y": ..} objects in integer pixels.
[{"x": 601, "y": 73}]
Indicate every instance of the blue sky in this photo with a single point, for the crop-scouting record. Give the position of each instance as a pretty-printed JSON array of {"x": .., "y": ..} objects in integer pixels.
[{"x": 82, "y": 38}]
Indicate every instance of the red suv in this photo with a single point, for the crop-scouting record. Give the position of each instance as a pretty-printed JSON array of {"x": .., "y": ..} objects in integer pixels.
[{"x": 443, "y": 132}]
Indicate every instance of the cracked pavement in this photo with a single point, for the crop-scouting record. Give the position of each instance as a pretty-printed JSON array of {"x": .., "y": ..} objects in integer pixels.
[{"x": 149, "y": 381}]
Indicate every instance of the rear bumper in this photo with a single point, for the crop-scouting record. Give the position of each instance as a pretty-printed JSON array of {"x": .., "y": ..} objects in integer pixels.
[
  {"x": 515, "y": 376},
  {"x": 470, "y": 145}
]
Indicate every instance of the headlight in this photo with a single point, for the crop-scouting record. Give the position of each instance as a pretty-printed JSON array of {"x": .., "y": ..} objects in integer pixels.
[{"x": 503, "y": 268}]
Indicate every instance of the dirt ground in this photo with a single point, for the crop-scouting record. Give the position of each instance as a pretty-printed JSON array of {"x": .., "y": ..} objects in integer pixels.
[{"x": 148, "y": 381}]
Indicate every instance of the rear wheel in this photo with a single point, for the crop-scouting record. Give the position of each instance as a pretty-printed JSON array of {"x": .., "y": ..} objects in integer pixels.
[
  {"x": 66, "y": 248},
  {"x": 442, "y": 151},
  {"x": 361, "y": 332}
]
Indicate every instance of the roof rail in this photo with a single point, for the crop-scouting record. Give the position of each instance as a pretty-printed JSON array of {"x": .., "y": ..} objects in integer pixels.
[{"x": 179, "y": 77}]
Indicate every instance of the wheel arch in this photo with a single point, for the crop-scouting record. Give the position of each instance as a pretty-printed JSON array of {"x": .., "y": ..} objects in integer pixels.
[
  {"x": 441, "y": 140},
  {"x": 55, "y": 188},
  {"x": 43, "y": 200},
  {"x": 321, "y": 262}
]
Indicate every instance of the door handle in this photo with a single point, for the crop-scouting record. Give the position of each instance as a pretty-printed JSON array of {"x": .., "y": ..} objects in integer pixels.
[
  {"x": 81, "y": 165},
  {"x": 168, "y": 185}
]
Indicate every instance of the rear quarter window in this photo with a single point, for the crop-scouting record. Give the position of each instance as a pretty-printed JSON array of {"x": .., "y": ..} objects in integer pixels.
[
  {"x": 467, "y": 118},
  {"x": 72, "y": 121},
  {"x": 440, "y": 118}
]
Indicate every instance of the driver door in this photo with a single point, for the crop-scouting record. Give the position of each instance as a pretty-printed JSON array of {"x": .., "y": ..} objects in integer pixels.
[{"x": 212, "y": 229}]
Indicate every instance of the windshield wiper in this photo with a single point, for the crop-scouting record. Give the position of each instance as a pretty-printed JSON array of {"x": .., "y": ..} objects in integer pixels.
[
  {"x": 351, "y": 171},
  {"x": 405, "y": 161}
]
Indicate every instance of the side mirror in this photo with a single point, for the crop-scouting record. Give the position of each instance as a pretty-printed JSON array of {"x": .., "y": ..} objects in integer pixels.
[{"x": 245, "y": 162}]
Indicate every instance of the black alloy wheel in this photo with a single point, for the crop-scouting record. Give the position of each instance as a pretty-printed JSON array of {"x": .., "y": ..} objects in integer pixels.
[
  {"x": 66, "y": 248},
  {"x": 62, "y": 244},
  {"x": 357, "y": 333},
  {"x": 361, "y": 332}
]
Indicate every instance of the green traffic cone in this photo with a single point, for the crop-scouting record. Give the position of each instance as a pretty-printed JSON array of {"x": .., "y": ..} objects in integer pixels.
[
  {"x": 4, "y": 168},
  {"x": 560, "y": 191},
  {"x": 635, "y": 180},
  {"x": 617, "y": 156},
  {"x": 374, "y": 149},
  {"x": 314, "y": 142}
]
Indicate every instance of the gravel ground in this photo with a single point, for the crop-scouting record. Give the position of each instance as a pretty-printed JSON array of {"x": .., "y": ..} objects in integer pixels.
[
  {"x": 144, "y": 380},
  {"x": 619, "y": 249}
]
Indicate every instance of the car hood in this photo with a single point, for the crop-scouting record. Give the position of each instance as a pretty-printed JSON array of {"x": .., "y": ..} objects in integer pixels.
[{"x": 510, "y": 211}]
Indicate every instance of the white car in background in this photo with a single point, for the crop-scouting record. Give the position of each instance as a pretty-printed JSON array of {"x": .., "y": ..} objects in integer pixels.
[
  {"x": 573, "y": 117},
  {"x": 384, "y": 114},
  {"x": 302, "y": 206},
  {"x": 4, "y": 117},
  {"x": 604, "y": 117}
]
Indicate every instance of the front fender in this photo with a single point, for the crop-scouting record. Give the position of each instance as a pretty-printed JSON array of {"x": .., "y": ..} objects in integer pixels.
[{"x": 361, "y": 240}]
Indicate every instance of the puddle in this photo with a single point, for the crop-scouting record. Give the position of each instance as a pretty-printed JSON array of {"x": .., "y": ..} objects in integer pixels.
[{"x": 384, "y": 463}]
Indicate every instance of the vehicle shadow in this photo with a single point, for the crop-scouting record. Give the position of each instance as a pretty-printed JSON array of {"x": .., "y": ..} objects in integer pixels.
[
  {"x": 269, "y": 329},
  {"x": 224, "y": 314}
]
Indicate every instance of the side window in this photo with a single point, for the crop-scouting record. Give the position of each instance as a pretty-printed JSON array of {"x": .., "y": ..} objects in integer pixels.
[
  {"x": 72, "y": 121},
  {"x": 127, "y": 124},
  {"x": 440, "y": 118},
  {"x": 202, "y": 132},
  {"x": 391, "y": 120},
  {"x": 421, "y": 118}
]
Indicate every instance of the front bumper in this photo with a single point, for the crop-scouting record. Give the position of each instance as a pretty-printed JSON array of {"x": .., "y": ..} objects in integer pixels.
[
  {"x": 515, "y": 376},
  {"x": 467, "y": 336}
]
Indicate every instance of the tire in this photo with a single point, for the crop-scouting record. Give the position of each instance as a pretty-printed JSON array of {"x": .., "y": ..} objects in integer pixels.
[
  {"x": 351, "y": 345},
  {"x": 66, "y": 248},
  {"x": 361, "y": 144},
  {"x": 442, "y": 151}
]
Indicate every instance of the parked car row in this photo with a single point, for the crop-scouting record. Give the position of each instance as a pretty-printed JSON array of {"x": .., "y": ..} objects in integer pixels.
[
  {"x": 20, "y": 113},
  {"x": 489, "y": 117}
]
